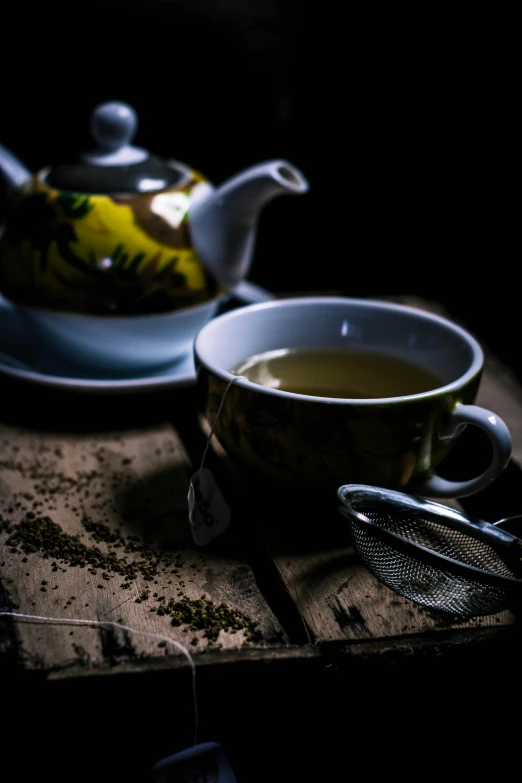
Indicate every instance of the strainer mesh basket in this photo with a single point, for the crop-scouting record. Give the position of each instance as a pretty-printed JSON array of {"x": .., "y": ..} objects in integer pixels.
[{"x": 432, "y": 563}]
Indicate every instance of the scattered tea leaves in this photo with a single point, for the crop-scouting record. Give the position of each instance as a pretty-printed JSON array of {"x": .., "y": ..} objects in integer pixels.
[{"x": 41, "y": 535}]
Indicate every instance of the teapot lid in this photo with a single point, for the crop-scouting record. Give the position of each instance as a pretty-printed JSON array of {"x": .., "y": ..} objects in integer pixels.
[{"x": 115, "y": 166}]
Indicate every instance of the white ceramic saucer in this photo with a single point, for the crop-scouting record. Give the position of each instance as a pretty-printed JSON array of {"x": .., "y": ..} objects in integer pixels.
[
  {"x": 21, "y": 358},
  {"x": 50, "y": 371}
]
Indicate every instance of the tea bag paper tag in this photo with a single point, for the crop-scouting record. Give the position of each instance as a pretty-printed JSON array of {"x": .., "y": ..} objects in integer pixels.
[
  {"x": 204, "y": 763},
  {"x": 209, "y": 514}
]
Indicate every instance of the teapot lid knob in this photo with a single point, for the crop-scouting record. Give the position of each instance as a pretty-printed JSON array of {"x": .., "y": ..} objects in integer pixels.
[{"x": 113, "y": 125}]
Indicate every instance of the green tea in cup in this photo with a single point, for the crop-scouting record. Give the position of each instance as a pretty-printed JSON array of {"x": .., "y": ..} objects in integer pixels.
[{"x": 347, "y": 373}]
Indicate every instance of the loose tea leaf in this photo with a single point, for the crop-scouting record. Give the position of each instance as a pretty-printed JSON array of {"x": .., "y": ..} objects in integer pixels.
[{"x": 41, "y": 535}]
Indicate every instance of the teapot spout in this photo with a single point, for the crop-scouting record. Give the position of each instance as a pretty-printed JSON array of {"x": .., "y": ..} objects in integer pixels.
[
  {"x": 224, "y": 220},
  {"x": 13, "y": 171}
]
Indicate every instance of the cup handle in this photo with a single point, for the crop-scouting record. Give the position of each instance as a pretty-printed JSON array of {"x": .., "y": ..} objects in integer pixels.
[{"x": 500, "y": 439}]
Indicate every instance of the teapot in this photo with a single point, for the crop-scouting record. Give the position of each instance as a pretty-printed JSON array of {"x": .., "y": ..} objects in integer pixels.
[{"x": 121, "y": 231}]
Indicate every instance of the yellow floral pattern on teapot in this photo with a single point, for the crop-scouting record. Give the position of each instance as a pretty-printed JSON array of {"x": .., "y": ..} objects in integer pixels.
[{"x": 89, "y": 253}]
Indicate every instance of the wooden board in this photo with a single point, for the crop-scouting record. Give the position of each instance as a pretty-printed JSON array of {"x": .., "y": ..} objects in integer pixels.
[
  {"x": 285, "y": 576},
  {"x": 91, "y": 497}
]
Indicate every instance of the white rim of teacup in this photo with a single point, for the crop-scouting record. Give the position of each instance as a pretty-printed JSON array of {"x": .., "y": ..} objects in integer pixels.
[{"x": 203, "y": 355}]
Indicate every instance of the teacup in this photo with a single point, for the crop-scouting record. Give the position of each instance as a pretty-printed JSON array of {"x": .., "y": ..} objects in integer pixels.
[{"x": 320, "y": 391}]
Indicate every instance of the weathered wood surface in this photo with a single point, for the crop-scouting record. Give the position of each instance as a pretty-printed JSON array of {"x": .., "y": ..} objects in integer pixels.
[
  {"x": 285, "y": 571},
  {"x": 135, "y": 485}
]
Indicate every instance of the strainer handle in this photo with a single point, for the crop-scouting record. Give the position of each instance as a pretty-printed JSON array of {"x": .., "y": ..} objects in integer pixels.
[{"x": 500, "y": 438}]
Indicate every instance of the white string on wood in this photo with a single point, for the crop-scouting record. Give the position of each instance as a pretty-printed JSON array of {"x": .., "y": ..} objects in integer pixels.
[{"x": 101, "y": 623}]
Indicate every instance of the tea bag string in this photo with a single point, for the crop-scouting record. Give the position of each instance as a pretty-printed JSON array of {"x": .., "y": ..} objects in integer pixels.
[
  {"x": 212, "y": 429},
  {"x": 111, "y": 623}
]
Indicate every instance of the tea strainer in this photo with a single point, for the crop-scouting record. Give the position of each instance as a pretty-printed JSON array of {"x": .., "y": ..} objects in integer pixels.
[{"x": 435, "y": 555}]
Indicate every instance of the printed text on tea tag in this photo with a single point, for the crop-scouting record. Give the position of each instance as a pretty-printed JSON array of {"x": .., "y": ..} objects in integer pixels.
[{"x": 209, "y": 514}]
